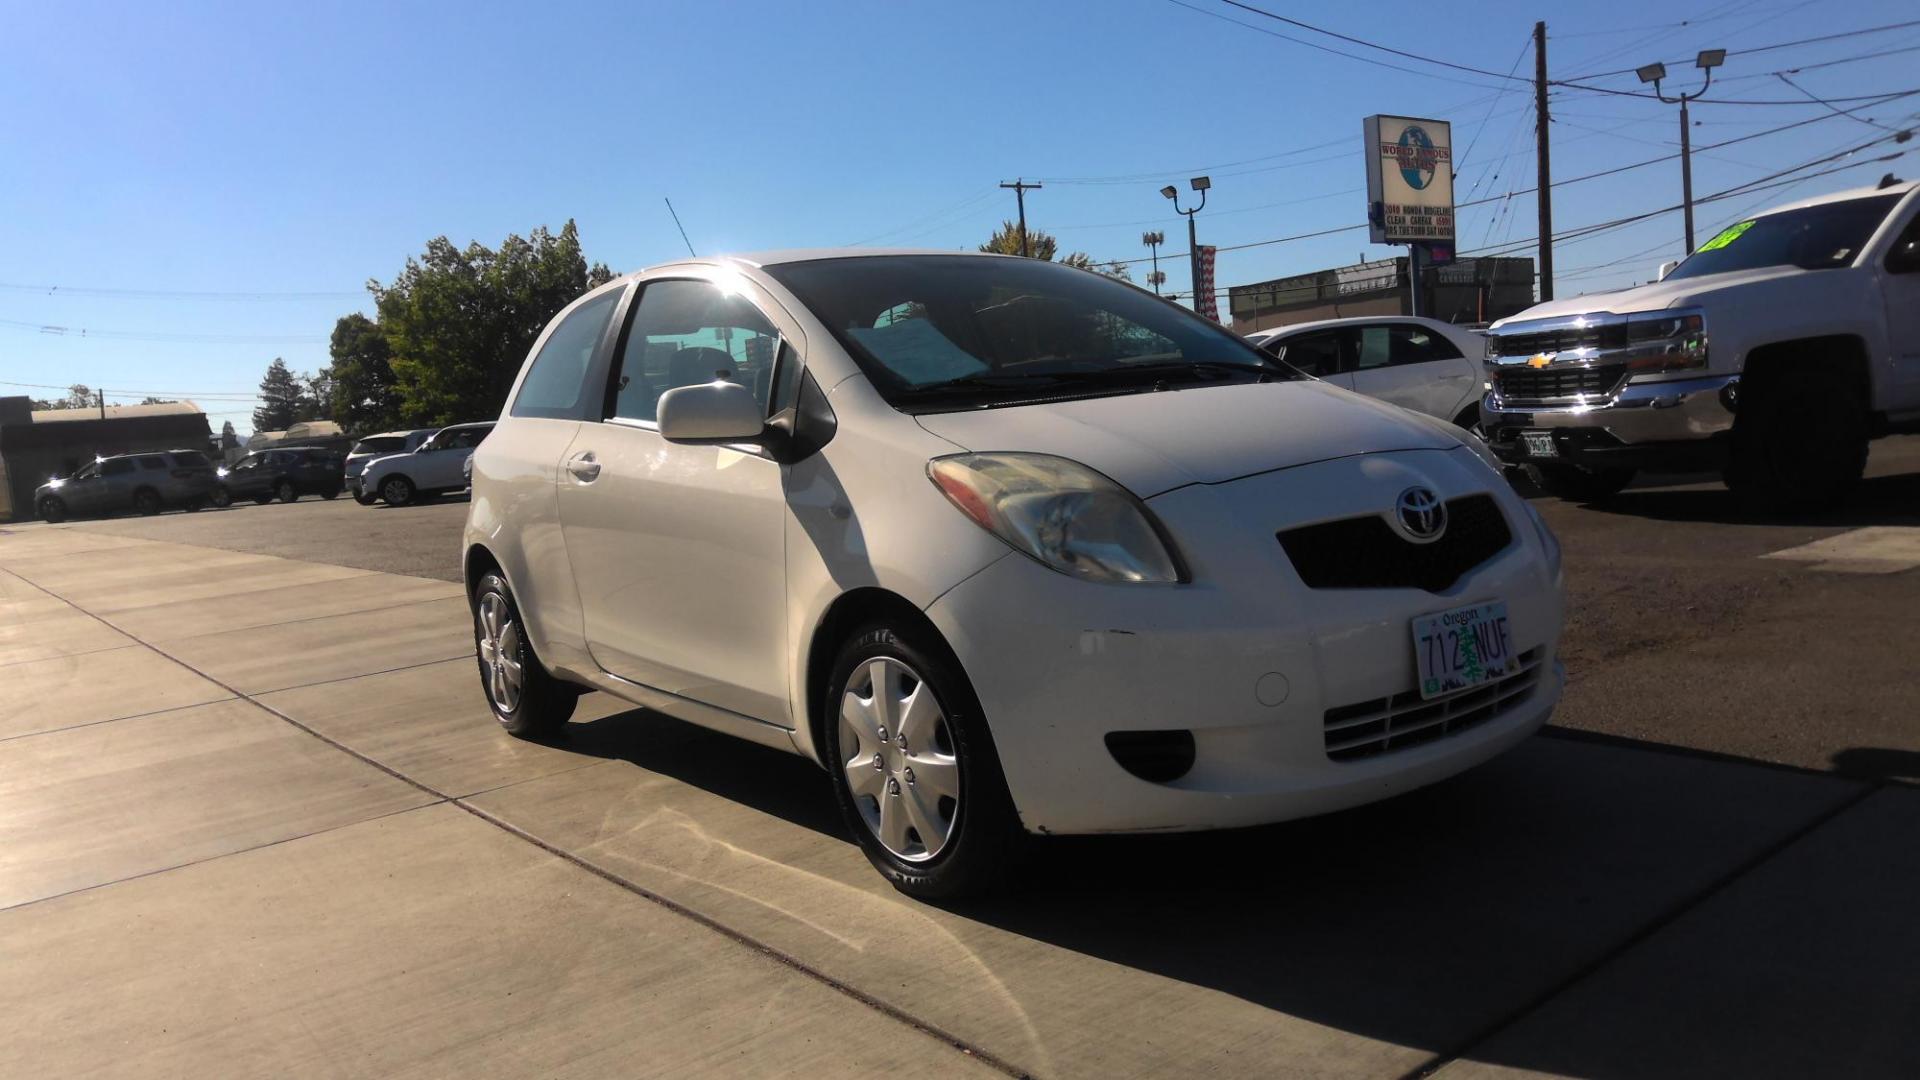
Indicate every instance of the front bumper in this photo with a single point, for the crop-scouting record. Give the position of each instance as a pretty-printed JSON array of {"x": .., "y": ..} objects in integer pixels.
[
  {"x": 1675, "y": 425},
  {"x": 1246, "y": 658}
]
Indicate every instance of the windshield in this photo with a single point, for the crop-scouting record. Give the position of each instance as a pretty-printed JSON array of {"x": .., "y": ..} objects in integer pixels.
[
  {"x": 1812, "y": 238},
  {"x": 935, "y": 331},
  {"x": 384, "y": 445}
]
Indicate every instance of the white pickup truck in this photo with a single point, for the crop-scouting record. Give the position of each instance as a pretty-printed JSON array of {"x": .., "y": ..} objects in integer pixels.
[{"x": 1773, "y": 354}]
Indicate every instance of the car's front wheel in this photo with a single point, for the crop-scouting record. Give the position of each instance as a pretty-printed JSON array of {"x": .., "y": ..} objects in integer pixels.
[
  {"x": 285, "y": 491},
  {"x": 914, "y": 767},
  {"x": 146, "y": 502},
  {"x": 523, "y": 696},
  {"x": 397, "y": 490},
  {"x": 53, "y": 509},
  {"x": 221, "y": 497}
]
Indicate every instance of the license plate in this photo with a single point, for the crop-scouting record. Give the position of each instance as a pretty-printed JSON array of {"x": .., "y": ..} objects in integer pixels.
[
  {"x": 1462, "y": 648},
  {"x": 1539, "y": 444}
]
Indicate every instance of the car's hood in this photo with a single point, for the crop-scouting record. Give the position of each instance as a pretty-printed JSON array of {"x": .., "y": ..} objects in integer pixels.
[
  {"x": 1156, "y": 441},
  {"x": 1656, "y": 296}
]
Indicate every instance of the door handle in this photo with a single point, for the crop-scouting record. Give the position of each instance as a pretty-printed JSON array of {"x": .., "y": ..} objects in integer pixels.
[{"x": 584, "y": 468}]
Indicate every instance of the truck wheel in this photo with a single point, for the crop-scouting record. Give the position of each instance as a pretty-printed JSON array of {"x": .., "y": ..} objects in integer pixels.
[
  {"x": 1577, "y": 483},
  {"x": 1799, "y": 444}
]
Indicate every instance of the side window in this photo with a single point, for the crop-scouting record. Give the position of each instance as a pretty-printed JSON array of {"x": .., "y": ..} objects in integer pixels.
[
  {"x": 556, "y": 384},
  {"x": 1399, "y": 344},
  {"x": 89, "y": 472},
  {"x": 687, "y": 332},
  {"x": 464, "y": 439},
  {"x": 786, "y": 381},
  {"x": 1905, "y": 256},
  {"x": 154, "y": 461},
  {"x": 1317, "y": 354},
  {"x": 116, "y": 467}
]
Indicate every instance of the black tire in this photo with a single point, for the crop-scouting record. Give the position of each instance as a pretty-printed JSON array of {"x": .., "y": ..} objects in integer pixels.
[
  {"x": 330, "y": 494},
  {"x": 221, "y": 497},
  {"x": 53, "y": 509},
  {"x": 285, "y": 491},
  {"x": 366, "y": 498},
  {"x": 544, "y": 703},
  {"x": 398, "y": 491},
  {"x": 1577, "y": 483},
  {"x": 1799, "y": 442},
  {"x": 984, "y": 834},
  {"x": 146, "y": 502},
  {"x": 262, "y": 500},
  {"x": 194, "y": 505}
]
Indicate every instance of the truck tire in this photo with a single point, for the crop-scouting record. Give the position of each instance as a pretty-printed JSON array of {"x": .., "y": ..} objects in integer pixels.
[
  {"x": 1577, "y": 483},
  {"x": 1800, "y": 442}
]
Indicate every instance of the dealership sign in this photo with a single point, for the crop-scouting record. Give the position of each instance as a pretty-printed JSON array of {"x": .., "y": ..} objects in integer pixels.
[
  {"x": 1409, "y": 179},
  {"x": 1203, "y": 298}
]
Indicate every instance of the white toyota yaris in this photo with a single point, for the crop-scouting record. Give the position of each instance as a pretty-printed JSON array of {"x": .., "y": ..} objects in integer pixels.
[{"x": 1003, "y": 545}]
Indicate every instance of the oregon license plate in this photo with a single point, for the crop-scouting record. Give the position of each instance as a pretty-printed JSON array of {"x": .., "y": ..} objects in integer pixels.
[
  {"x": 1539, "y": 444},
  {"x": 1462, "y": 648}
]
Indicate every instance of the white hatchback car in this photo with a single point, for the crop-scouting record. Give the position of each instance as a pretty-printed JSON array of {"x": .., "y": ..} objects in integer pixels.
[
  {"x": 1421, "y": 364},
  {"x": 436, "y": 465},
  {"x": 1004, "y": 546}
]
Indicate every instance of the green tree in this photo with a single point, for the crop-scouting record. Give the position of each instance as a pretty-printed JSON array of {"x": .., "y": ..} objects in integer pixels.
[
  {"x": 459, "y": 322},
  {"x": 364, "y": 395},
  {"x": 158, "y": 400},
  {"x": 316, "y": 396},
  {"x": 1006, "y": 241},
  {"x": 280, "y": 397},
  {"x": 79, "y": 396}
]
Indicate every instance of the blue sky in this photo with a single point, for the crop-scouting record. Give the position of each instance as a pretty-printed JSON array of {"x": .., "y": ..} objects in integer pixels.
[{"x": 280, "y": 157}]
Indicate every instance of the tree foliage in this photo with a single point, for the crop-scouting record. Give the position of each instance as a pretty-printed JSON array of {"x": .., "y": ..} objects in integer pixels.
[
  {"x": 459, "y": 322},
  {"x": 1006, "y": 241},
  {"x": 79, "y": 396},
  {"x": 281, "y": 398},
  {"x": 364, "y": 396}
]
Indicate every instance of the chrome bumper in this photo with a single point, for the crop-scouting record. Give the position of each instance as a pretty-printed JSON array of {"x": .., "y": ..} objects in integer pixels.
[{"x": 1674, "y": 410}]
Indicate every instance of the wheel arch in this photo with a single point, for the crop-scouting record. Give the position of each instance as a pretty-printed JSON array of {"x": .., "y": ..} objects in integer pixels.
[
  {"x": 477, "y": 563},
  {"x": 849, "y": 611},
  {"x": 1843, "y": 354}
]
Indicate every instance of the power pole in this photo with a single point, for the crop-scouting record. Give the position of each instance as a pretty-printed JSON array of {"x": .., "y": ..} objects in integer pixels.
[
  {"x": 1545, "y": 180},
  {"x": 1020, "y": 188},
  {"x": 101, "y": 397}
]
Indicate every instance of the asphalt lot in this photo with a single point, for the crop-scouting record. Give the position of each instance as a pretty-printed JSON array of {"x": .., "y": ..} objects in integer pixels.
[
  {"x": 1679, "y": 633},
  {"x": 255, "y": 820}
]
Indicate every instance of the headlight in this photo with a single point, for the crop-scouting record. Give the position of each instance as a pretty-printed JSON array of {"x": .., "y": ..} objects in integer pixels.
[
  {"x": 1060, "y": 513},
  {"x": 1547, "y": 540},
  {"x": 221, "y": 471},
  {"x": 1667, "y": 340}
]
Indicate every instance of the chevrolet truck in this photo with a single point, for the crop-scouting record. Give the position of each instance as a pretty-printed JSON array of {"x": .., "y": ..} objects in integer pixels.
[{"x": 1771, "y": 355}]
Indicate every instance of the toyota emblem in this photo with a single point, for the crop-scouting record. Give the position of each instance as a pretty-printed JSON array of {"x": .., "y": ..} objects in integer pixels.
[{"x": 1421, "y": 514}]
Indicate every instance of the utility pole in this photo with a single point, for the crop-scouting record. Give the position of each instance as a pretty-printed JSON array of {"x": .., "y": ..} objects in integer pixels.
[
  {"x": 1153, "y": 240},
  {"x": 1653, "y": 73},
  {"x": 101, "y": 397},
  {"x": 1545, "y": 180},
  {"x": 1020, "y": 188}
]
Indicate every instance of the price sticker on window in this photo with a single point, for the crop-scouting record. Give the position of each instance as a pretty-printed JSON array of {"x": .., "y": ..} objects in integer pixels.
[{"x": 1727, "y": 236}]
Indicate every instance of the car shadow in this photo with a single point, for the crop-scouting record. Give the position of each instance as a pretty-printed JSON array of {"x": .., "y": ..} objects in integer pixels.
[
  {"x": 1878, "y": 763},
  {"x": 1879, "y": 500},
  {"x": 1424, "y": 921}
]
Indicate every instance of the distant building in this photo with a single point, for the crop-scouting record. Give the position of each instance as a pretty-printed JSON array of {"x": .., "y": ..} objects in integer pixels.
[
  {"x": 1469, "y": 291},
  {"x": 324, "y": 433},
  {"x": 36, "y": 445}
]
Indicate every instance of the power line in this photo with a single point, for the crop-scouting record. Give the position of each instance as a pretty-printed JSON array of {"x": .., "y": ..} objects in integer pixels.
[
  {"x": 171, "y": 294},
  {"x": 1423, "y": 58},
  {"x": 1317, "y": 45},
  {"x": 159, "y": 336},
  {"x": 1777, "y": 46}
]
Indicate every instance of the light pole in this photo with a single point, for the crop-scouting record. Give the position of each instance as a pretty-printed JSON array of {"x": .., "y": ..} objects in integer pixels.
[
  {"x": 1653, "y": 73},
  {"x": 1200, "y": 184},
  {"x": 1153, "y": 240}
]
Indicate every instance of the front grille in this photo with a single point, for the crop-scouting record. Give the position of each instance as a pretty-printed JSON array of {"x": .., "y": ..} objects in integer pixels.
[
  {"x": 1365, "y": 552},
  {"x": 1549, "y": 384},
  {"x": 1594, "y": 336},
  {"x": 1394, "y": 723}
]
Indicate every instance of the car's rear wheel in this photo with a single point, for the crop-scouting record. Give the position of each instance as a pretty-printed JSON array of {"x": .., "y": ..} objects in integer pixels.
[
  {"x": 194, "y": 505},
  {"x": 1577, "y": 483},
  {"x": 146, "y": 502},
  {"x": 285, "y": 491},
  {"x": 53, "y": 509},
  {"x": 397, "y": 490},
  {"x": 221, "y": 497},
  {"x": 914, "y": 768},
  {"x": 523, "y": 696},
  {"x": 330, "y": 494},
  {"x": 264, "y": 498}
]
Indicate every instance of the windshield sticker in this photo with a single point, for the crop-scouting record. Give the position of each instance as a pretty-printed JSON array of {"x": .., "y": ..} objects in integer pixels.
[
  {"x": 1727, "y": 236},
  {"x": 917, "y": 352}
]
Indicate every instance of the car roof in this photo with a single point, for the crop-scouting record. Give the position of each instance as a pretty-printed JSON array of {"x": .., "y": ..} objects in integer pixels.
[
  {"x": 468, "y": 424},
  {"x": 1357, "y": 320},
  {"x": 1898, "y": 187},
  {"x": 758, "y": 259}
]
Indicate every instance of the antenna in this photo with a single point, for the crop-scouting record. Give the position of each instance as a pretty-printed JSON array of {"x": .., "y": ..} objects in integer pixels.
[{"x": 682, "y": 228}]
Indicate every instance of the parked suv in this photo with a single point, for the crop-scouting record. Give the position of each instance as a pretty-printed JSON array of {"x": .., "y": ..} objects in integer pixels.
[
  {"x": 284, "y": 473},
  {"x": 376, "y": 446},
  {"x": 1003, "y": 545},
  {"x": 433, "y": 468},
  {"x": 146, "y": 483},
  {"x": 1420, "y": 364},
  {"x": 1772, "y": 354}
]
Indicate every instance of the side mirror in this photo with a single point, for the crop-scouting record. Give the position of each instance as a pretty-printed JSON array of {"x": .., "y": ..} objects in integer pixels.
[
  {"x": 715, "y": 412},
  {"x": 1665, "y": 269}
]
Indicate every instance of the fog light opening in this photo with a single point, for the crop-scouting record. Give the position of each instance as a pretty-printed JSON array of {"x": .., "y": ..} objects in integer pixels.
[{"x": 1157, "y": 756}]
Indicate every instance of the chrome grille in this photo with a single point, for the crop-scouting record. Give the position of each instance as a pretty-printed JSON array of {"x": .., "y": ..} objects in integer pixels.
[
  {"x": 1395, "y": 723},
  {"x": 1597, "y": 335},
  {"x": 1551, "y": 384}
]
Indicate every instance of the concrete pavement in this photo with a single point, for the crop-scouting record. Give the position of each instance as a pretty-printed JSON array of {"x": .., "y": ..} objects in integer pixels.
[{"x": 255, "y": 819}]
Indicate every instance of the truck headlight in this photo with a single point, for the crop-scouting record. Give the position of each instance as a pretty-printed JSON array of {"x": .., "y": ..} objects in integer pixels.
[
  {"x": 1667, "y": 340},
  {"x": 1059, "y": 513}
]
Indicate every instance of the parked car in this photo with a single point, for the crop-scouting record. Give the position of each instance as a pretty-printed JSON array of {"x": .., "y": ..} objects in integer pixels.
[
  {"x": 1421, "y": 364},
  {"x": 145, "y": 483},
  {"x": 284, "y": 474},
  {"x": 1002, "y": 545},
  {"x": 375, "y": 446},
  {"x": 433, "y": 468},
  {"x": 1773, "y": 354}
]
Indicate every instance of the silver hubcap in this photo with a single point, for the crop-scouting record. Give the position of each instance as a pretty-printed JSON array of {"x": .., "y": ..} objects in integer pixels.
[
  {"x": 500, "y": 653},
  {"x": 900, "y": 765},
  {"x": 396, "y": 491}
]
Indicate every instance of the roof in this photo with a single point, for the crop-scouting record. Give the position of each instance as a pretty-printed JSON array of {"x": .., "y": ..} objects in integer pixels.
[
  {"x": 1317, "y": 324},
  {"x": 115, "y": 412},
  {"x": 1897, "y": 188},
  {"x": 794, "y": 255}
]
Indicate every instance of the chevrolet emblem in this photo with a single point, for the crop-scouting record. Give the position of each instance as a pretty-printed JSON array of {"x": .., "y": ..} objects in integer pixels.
[{"x": 1539, "y": 360}]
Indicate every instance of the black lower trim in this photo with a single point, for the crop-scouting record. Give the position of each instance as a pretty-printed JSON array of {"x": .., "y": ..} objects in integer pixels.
[{"x": 1596, "y": 449}]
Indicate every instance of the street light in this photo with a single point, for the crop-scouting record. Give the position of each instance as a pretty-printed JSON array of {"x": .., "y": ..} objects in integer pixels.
[
  {"x": 1153, "y": 240},
  {"x": 1200, "y": 184},
  {"x": 1653, "y": 73}
]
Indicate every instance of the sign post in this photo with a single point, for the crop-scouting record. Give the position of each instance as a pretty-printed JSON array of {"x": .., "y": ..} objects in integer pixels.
[{"x": 1410, "y": 190}]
